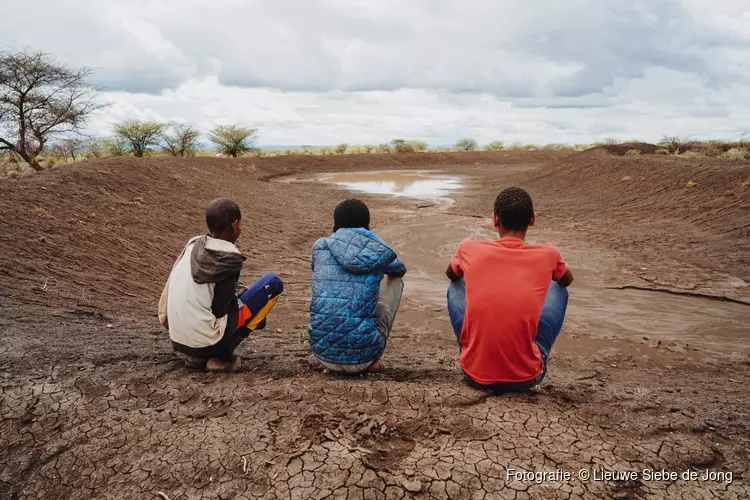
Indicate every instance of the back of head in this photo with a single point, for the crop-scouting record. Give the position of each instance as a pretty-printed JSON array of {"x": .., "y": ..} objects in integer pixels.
[
  {"x": 351, "y": 213},
  {"x": 220, "y": 214},
  {"x": 514, "y": 209}
]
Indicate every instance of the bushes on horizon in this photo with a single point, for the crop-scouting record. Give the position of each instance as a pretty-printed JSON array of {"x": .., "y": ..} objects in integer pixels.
[
  {"x": 676, "y": 144},
  {"x": 341, "y": 148},
  {"x": 691, "y": 154},
  {"x": 234, "y": 140},
  {"x": 467, "y": 144},
  {"x": 96, "y": 148},
  {"x": 115, "y": 147},
  {"x": 401, "y": 146},
  {"x": 736, "y": 154},
  {"x": 138, "y": 137},
  {"x": 418, "y": 146},
  {"x": 556, "y": 146},
  {"x": 180, "y": 139},
  {"x": 72, "y": 147},
  {"x": 494, "y": 146}
]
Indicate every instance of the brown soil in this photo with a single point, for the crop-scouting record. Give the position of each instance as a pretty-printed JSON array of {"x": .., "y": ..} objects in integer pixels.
[
  {"x": 622, "y": 149},
  {"x": 95, "y": 405}
]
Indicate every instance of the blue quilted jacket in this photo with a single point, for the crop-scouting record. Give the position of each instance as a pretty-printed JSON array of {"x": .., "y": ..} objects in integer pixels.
[{"x": 348, "y": 267}]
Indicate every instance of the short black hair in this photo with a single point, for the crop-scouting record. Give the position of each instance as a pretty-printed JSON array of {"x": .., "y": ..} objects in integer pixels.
[
  {"x": 220, "y": 214},
  {"x": 351, "y": 213},
  {"x": 514, "y": 208}
]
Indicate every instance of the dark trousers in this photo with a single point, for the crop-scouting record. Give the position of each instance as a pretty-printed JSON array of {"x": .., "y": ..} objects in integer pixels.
[{"x": 254, "y": 305}]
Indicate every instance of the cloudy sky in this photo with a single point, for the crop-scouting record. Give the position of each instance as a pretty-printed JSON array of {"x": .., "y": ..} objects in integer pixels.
[{"x": 363, "y": 71}]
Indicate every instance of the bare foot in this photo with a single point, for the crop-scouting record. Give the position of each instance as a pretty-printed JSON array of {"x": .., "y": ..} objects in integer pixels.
[
  {"x": 216, "y": 365},
  {"x": 195, "y": 363}
]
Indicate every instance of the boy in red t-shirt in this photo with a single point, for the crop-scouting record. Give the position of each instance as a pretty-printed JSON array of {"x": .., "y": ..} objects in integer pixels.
[{"x": 507, "y": 300}]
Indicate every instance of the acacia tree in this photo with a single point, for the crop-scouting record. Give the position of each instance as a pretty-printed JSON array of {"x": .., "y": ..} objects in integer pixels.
[
  {"x": 233, "y": 140},
  {"x": 180, "y": 139},
  {"x": 140, "y": 136},
  {"x": 676, "y": 144},
  {"x": 402, "y": 146},
  {"x": 467, "y": 144},
  {"x": 70, "y": 146},
  {"x": 494, "y": 146},
  {"x": 41, "y": 99}
]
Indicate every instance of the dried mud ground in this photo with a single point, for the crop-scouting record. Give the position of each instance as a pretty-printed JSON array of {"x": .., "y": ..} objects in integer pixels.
[{"x": 648, "y": 373}]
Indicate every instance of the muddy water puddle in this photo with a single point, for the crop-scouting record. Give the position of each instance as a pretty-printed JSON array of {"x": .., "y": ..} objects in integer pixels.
[{"x": 408, "y": 183}]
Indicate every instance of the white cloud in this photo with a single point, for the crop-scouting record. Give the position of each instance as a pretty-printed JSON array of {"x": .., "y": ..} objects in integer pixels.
[{"x": 362, "y": 72}]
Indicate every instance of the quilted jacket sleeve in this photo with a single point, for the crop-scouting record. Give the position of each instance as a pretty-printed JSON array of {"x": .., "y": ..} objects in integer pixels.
[{"x": 396, "y": 268}]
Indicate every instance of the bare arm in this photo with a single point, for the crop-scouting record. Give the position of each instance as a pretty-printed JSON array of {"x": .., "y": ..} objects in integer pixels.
[
  {"x": 452, "y": 274},
  {"x": 566, "y": 279}
]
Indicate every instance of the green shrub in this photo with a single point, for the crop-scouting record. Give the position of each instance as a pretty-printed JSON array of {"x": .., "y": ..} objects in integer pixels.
[
  {"x": 233, "y": 140},
  {"x": 494, "y": 146},
  {"x": 467, "y": 144},
  {"x": 341, "y": 149},
  {"x": 662, "y": 151},
  {"x": 383, "y": 148},
  {"x": 633, "y": 152},
  {"x": 368, "y": 148},
  {"x": 139, "y": 136},
  {"x": 737, "y": 154},
  {"x": 116, "y": 147},
  {"x": 418, "y": 146}
]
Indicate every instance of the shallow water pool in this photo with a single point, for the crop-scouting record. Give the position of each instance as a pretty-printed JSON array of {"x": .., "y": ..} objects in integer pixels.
[{"x": 411, "y": 183}]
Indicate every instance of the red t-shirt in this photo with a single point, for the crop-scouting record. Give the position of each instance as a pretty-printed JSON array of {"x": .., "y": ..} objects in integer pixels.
[{"x": 506, "y": 283}]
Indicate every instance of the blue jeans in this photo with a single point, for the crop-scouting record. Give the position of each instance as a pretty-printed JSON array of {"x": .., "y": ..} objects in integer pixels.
[{"x": 550, "y": 324}]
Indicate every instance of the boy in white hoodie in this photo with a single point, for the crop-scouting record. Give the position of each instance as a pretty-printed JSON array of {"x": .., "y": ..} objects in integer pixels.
[{"x": 199, "y": 305}]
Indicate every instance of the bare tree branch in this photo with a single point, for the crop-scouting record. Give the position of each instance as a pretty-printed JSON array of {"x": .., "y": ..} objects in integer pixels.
[
  {"x": 41, "y": 99},
  {"x": 180, "y": 139},
  {"x": 676, "y": 144}
]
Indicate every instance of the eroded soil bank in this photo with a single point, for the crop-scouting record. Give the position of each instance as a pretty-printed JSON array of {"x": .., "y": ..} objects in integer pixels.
[{"x": 95, "y": 405}]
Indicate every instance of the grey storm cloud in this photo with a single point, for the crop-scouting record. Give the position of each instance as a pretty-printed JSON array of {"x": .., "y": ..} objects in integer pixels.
[
  {"x": 540, "y": 49},
  {"x": 361, "y": 71}
]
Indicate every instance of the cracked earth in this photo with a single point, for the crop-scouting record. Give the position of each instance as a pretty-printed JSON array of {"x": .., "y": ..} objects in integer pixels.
[{"x": 94, "y": 404}]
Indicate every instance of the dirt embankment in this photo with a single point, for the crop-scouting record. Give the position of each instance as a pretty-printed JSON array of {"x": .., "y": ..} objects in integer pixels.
[
  {"x": 102, "y": 234},
  {"x": 643, "y": 148},
  {"x": 694, "y": 212}
]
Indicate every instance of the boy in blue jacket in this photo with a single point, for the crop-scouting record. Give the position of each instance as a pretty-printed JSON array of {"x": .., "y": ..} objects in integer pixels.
[{"x": 353, "y": 307}]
